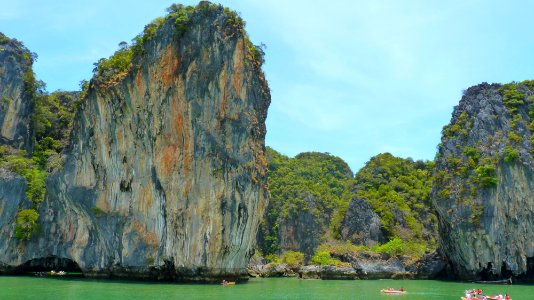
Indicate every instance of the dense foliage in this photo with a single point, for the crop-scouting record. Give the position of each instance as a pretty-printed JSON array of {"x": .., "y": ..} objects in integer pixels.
[
  {"x": 324, "y": 258},
  {"x": 515, "y": 97},
  {"x": 397, "y": 189},
  {"x": 325, "y": 177},
  {"x": 292, "y": 259},
  {"x": 17, "y": 161},
  {"x": 4, "y": 39},
  {"x": 26, "y": 224}
]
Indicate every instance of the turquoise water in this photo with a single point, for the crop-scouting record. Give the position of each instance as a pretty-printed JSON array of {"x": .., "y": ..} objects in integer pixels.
[{"x": 270, "y": 288}]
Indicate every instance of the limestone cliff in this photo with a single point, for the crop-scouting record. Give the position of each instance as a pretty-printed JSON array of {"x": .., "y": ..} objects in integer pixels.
[
  {"x": 307, "y": 192},
  {"x": 15, "y": 100},
  {"x": 165, "y": 175},
  {"x": 484, "y": 183},
  {"x": 361, "y": 225}
]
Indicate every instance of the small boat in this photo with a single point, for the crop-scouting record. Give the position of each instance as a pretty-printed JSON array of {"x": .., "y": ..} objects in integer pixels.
[
  {"x": 504, "y": 281},
  {"x": 393, "y": 292},
  {"x": 228, "y": 282},
  {"x": 487, "y": 297}
]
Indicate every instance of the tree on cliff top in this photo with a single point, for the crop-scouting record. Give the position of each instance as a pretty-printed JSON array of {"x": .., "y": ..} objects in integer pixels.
[{"x": 398, "y": 190}]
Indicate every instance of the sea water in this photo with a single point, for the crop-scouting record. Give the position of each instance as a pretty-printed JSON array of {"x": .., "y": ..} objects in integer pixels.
[{"x": 257, "y": 288}]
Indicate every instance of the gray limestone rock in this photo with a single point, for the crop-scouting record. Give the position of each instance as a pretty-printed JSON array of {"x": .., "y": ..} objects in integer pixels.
[
  {"x": 302, "y": 231},
  {"x": 483, "y": 193},
  {"x": 165, "y": 175},
  {"x": 361, "y": 225},
  {"x": 16, "y": 104}
]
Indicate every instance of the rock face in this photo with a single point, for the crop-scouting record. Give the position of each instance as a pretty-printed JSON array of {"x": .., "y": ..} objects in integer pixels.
[
  {"x": 301, "y": 231},
  {"x": 15, "y": 103},
  {"x": 12, "y": 189},
  {"x": 364, "y": 265},
  {"x": 165, "y": 176},
  {"x": 484, "y": 185},
  {"x": 361, "y": 225}
]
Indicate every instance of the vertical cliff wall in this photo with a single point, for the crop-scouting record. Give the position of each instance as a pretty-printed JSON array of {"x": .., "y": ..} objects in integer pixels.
[
  {"x": 165, "y": 175},
  {"x": 361, "y": 225},
  {"x": 484, "y": 183},
  {"x": 15, "y": 101}
]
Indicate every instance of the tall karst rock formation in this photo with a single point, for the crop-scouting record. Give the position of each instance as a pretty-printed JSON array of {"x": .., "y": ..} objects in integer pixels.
[
  {"x": 165, "y": 174},
  {"x": 484, "y": 184},
  {"x": 16, "y": 82}
]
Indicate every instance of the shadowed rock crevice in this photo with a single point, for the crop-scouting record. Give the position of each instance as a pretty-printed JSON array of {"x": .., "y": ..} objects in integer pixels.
[{"x": 47, "y": 264}]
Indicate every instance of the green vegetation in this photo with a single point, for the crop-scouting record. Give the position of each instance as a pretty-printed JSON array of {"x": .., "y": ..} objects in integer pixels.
[
  {"x": 6, "y": 100},
  {"x": 323, "y": 258},
  {"x": 326, "y": 178},
  {"x": 395, "y": 247},
  {"x": 510, "y": 154},
  {"x": 293, "y": 259},
  {"x": 512, "y": 98},
  {"x": 398, "y": 190},
  {"x": 486, "y": 175},
  {"x": 4, "y": 39},
  {"x": 109, "y": 71},
  {"x": 51, "y": 124},
  {"x": 17, "y": 162},
  {"x": 462, "y": 176},
  {"x": 98, "y": 212},
  {"x": 461, "y": 127},
  {"x": 26, "y": 224},
  {"x": 475, "y": 169},
  {"x": 516, "y": 96},
  {"x": 181, "y": 15},
  {"x": 4, "y": 104}
]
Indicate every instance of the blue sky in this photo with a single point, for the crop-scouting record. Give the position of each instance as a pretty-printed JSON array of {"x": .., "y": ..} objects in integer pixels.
[{"x": 352, "y": 78}]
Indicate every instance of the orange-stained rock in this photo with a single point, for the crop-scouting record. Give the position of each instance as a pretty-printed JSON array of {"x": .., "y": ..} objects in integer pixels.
[{"x": 165, "y": 173}]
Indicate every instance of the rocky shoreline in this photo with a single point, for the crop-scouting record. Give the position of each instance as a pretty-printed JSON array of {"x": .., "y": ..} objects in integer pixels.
[{"x": 365, "y": 265}]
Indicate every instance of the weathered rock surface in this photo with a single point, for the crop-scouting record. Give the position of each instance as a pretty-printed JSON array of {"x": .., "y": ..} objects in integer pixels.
[
  {"x": 303, "y": 230},
  {"x": 271, "y": 270},
  {"x": 429, "y": 266},
  {"x": 12, "y": 196},
  {"x": 15, "y": 103},
  {"x": 365, "y": 265},
  {"x": 361, "y": 225},
  {"x": 484, "y": 186},
  {"x": 165, "y": 176},
  {"x": 327, "y": 272}
]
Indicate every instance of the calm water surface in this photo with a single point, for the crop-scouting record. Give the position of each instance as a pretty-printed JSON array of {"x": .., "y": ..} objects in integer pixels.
[{"x": 271, "y": 288}]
